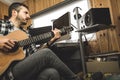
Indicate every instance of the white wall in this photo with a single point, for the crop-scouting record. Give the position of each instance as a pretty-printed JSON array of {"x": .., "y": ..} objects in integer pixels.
[{"x": 46, "y": 18}]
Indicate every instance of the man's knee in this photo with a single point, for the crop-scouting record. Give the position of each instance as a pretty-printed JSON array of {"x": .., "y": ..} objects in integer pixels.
[
  {"x": 49, "y": 74},
  {"x": 51, "y": 71},
  {"x": 45, "y": 51}
]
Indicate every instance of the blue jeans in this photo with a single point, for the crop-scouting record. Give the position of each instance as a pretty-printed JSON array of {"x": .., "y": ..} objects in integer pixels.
[{"x": 32, "y": 66}]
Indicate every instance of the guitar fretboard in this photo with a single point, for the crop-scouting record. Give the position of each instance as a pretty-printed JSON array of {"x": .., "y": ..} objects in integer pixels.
[
  {"x": 34, "y": 39},
  {"x": 42, "y": 38}
]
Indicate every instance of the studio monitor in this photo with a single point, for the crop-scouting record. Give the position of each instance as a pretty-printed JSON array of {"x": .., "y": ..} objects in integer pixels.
[{"x": 95, "y": 16}]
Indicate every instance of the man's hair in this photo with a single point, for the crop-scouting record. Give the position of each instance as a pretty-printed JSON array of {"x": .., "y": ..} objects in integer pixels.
[{"x": 15, "y": 6}]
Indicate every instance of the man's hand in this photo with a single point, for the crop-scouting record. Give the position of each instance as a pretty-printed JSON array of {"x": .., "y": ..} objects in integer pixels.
[
  {"x": 57, "y": 34},
  {"x": 6, "y": 44}
]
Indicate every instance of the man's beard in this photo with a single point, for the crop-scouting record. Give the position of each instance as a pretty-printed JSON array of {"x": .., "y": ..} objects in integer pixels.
[{"x": 21, "y": 21}]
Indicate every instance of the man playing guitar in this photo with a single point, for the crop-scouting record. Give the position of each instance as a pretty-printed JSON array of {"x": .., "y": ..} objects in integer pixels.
[{"x": 14, "y": 64}]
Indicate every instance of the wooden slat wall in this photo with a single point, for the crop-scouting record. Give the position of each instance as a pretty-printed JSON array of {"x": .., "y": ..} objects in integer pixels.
[
  {"x": 39, "y": 5},
  {"x": 0, "y": 11},
  {"x": 3, "y": 10},
  {"x": 31, "y": 4},
  {"x": 108, "y": 40},
  {"x": 115, "y": 10}
]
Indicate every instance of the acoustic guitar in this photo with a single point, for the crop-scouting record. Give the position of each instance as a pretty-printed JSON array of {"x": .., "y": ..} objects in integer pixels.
[{"x": 16, "y": 54}]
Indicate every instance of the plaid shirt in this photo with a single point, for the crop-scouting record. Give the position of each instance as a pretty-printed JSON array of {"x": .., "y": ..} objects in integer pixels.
[{"x": 7, "y": 27}]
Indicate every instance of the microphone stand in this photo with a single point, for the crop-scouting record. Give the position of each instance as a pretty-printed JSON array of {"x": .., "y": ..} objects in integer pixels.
[{"x": 80, "y": 43}]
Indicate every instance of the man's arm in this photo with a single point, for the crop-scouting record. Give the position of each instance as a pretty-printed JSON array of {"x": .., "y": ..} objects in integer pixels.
[
  {"x": 57, "y": 35},
  {"x": 5, "y": 43}
]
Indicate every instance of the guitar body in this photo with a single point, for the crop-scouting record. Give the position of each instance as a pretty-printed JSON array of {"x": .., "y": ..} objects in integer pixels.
[{"x": 6, "y": 58}]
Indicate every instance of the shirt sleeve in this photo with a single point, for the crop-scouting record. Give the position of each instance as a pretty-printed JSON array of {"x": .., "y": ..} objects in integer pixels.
[{"x": 5, "y": 27}]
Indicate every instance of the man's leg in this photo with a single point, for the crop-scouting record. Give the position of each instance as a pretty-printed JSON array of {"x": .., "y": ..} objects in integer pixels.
[
  {"x": 49, "y": 74},
  {"x": 34, "y": 64}
]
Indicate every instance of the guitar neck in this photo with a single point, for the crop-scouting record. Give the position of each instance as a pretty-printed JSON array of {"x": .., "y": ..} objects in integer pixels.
[{"x": 42, "y": 38}]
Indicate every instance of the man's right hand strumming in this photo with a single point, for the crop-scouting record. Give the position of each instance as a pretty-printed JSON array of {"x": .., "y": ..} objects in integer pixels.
[{"x": 6, "y": 44}]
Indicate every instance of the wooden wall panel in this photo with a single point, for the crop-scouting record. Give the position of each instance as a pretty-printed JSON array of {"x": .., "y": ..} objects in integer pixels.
[
  {"x": 3, "y": 10},
  {"x": 115, "y": 19},
  {"x": 99, "y": 3},
  {"x": 108, "y": 39},
  {"x": 118, "y": 3},
  {"x": 39, "y": 5},
  {"x": 0, "y": 11},
  {"x": 31, "y": 4},
  {"x": 43, "y": 4}
]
